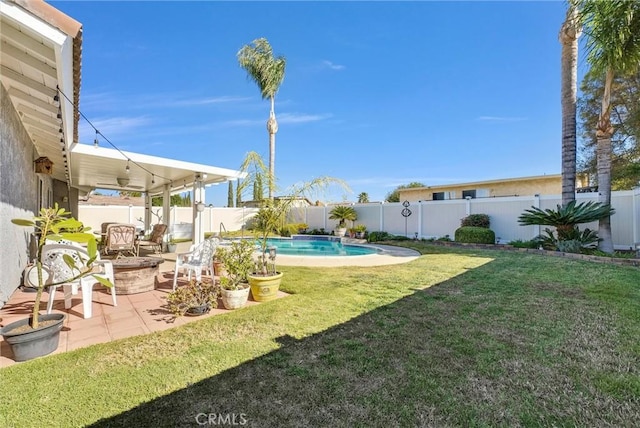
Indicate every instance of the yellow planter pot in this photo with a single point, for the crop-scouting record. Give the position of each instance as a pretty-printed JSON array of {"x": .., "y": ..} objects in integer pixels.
[{"x": 265, "y": 288}]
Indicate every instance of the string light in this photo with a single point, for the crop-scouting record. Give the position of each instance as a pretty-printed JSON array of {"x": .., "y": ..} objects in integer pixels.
[{"x": 96, "y": 143}]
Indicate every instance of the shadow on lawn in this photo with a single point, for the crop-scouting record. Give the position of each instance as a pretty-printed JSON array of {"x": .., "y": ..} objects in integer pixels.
[{"x": 439, "y": 357}]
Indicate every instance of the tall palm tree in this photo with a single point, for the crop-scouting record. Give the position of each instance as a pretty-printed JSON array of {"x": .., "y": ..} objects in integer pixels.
[
  {"x": 569, "y": 34},
  {"x": 612, "y": 28},
  {"x": 267, "y": 72}
]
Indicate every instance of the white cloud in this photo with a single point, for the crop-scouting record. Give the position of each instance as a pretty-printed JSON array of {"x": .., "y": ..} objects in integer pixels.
[
  {"x": 284, "y": 118},
  {"x": 332, "y": 66},
  {"x": 212, "y": 100},
  {"x": 111, "y": 127}
]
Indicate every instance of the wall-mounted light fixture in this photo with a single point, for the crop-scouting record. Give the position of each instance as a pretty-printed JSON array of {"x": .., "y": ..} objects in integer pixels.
[{"x": 200, "y": 206}]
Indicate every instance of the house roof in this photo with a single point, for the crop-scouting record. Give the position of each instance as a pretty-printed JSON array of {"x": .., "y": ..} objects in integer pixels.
[
  {"x": 476, "y": 184},
  {"x": 41, "y": 52}
]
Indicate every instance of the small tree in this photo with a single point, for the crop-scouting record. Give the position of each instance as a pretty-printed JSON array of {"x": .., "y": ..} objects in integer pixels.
[
  {"x": 56, "y": 224},
  {"x": 230, "y": 195},
  {"x": 363, "y": 198},
  {"x": 394, "y": 196},
  {"x": 273, "y": 213}
]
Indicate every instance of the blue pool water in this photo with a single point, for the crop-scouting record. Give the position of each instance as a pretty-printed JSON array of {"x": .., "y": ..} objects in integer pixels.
[{"x": 317, "y": 246}]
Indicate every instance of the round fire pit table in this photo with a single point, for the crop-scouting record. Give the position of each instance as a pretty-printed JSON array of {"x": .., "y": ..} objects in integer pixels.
[{"x": 135, "y": 274}]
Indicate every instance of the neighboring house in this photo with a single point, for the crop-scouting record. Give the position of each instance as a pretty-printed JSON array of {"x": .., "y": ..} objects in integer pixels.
[{"x": 520, "y": 186}]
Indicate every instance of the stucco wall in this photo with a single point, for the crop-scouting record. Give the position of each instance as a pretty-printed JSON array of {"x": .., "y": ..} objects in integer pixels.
[
  {"x": 551, "y": 185},
  {"x": 18, "y": 196}
]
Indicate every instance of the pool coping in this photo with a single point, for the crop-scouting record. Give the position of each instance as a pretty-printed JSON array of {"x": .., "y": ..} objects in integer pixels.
[{"x": 387, "y": 255}]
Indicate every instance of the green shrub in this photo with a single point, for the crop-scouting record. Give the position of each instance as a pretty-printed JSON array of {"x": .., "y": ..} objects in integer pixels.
[
  {"x": 378, "y": 236},
  {"x": 476, "y": 220},
  {"x": 519, "y": 243},
  {"x": 475, "y": 235}
]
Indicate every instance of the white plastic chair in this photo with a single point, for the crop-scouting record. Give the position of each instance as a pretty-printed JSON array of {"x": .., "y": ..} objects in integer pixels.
[
  {"x": 198, "y": 258},
  {"x": 55, "y": 269}
]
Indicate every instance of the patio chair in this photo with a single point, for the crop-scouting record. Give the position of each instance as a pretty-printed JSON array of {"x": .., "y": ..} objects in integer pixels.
[
  {"x": 121, "y": 239},
  {"x": 56, "y": 269},
  {"x": 155, "y": 240},
  {"x": 103, "y": 235},
  {"x": 198, "y": 258}
]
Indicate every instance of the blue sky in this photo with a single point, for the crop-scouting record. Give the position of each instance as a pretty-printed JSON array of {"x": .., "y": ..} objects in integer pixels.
[{"x": 378, "y": 94}]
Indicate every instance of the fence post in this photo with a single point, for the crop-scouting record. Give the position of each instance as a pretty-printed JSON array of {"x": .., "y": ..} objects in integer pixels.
[
  {"x": 468, "y": 205},
  {"x": 419, "y": 219},
  {"x": 635, "y": 209},
  {"x": 381, "y": 217},
  {"x": 536, "y": 204}
]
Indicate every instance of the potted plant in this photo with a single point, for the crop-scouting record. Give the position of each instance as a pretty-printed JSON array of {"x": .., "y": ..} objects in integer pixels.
[
  {"x": 195, "y": 298},
  {"x": 238, "y": 262},
  {"x": 172, "y": 245},
  {"x": 342, "y": 213},
  {"x": 360, "y": 229},
  {"x": 302, "y": 228},
  {"x": 219, "y": 269},
  {"x": 39, "y": 335},
  {"x": 265, "y": 279}
]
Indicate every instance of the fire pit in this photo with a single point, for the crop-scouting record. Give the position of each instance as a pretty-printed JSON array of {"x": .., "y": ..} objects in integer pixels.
[{"x": 135, "y": 274}]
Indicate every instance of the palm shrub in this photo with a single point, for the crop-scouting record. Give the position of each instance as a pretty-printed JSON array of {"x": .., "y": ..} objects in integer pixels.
[
  {"x": 566, "y": 219},
  {"x": 343, "y": 213}
]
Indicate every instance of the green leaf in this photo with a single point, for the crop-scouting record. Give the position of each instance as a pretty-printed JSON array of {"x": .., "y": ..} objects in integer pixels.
[
  {"x": 103, "y": 281},
  {"x": 22, "y": 222}
]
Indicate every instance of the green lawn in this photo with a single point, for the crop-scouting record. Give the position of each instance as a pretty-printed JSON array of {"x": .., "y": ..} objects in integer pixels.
[{"x": 455, "y": 338}]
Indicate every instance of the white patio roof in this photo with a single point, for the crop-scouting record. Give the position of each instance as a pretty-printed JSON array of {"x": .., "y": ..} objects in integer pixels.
[{"x": 105, "y": 168}]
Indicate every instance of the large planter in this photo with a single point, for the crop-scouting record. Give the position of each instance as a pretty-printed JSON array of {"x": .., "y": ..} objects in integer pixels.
[
  {"x": 340, "y": 231},
  {"x": 265, "y": 288},
  {"x": 234, "y": 299},
  {"x": 30, "y": 343}
]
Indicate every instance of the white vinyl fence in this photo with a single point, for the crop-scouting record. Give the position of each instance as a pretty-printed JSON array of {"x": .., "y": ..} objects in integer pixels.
[{"x": 428, "y": 219}]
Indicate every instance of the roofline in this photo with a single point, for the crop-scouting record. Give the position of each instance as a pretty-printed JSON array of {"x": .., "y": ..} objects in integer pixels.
[
  {"x": 70, "y": 27},
  {"x": 477, "y": 183}
]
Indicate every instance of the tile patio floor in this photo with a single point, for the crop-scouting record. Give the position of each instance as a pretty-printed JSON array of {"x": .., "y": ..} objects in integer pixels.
[
  {"x": 144, "y": 313},
  {"x": 135, "y": 314}
]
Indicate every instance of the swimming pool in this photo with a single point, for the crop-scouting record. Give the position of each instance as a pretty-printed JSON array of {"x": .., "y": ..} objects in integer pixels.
[{"x": 301, "y": 245}]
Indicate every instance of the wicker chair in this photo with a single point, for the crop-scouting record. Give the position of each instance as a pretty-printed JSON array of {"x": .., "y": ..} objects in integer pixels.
[
  {"x": 155, "y": 240},
  {"x": 121, "y": 239}
]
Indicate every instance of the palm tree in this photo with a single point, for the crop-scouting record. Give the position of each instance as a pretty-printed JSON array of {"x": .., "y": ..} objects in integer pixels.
[
  {"x": 267, "y": 72},
  {"x": 569, "y": 34},
  {"x": 613, "y": 46},
  {"x": 363, "y": 198}
]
